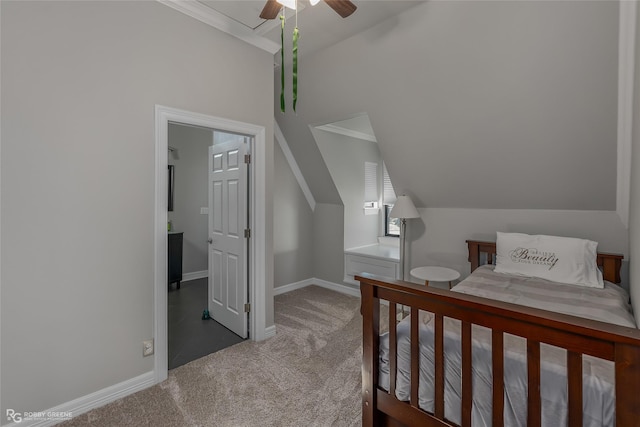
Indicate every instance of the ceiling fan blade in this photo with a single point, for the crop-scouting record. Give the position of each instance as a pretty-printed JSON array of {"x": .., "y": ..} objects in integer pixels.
[
  {"x": 270, "y": 10},
  {"x": 344, "y": 8}
]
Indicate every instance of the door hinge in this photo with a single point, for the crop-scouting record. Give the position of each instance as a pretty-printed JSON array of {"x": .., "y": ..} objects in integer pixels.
[
  {"x": 247, "y": 308},
  {"x": 247, "y": 158},
  {"x": 247, "y": 233}
]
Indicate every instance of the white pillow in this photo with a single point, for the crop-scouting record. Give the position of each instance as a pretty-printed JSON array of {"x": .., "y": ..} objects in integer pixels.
[{"x": 559, "y": 259}]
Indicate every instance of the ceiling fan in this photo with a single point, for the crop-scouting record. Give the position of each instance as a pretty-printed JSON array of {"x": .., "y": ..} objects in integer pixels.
[{"x": 343, "y": 8}]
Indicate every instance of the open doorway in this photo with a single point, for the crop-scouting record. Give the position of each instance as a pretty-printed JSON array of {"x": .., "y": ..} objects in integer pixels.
[
  {"x": 257, "y": 247},
  {"x": 193, "y": 331}
]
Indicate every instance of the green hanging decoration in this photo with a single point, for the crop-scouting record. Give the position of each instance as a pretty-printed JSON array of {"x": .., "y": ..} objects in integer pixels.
[
  {"x": 282, "y": 61},
  {"x": 296, "y": 34}
]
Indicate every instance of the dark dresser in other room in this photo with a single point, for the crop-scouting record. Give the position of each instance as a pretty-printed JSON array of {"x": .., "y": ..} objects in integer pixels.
[{"x": 175, "y": 258}]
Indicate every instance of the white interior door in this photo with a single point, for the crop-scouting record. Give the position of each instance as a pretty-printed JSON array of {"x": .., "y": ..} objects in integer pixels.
[{"x": 227, "y": 242}]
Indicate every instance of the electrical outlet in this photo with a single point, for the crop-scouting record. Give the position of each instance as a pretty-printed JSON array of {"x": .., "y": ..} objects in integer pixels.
[{"x": 147, "y": 348}]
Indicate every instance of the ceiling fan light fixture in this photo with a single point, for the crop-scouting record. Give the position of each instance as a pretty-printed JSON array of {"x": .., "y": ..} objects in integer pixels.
[
  {"x": 314, "y": 2},
  {"x": 291, "y": 4}
]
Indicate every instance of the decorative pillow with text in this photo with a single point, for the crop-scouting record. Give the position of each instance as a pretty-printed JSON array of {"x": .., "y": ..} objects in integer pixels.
[{"x": 559, "y": 259}]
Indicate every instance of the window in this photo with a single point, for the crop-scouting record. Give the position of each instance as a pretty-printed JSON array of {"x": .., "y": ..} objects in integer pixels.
[
  {"x": 391, "y": 225},
  {"x": 388, "y": 193},
  {"x": 370, "y": 188}
]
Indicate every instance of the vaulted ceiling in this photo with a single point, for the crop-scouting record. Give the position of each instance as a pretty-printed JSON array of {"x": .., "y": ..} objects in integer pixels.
[{"x": 474, "y": 104}]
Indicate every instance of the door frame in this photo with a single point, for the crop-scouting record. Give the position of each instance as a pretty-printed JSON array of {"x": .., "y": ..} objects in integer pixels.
[{"x": 257, "y": 243}]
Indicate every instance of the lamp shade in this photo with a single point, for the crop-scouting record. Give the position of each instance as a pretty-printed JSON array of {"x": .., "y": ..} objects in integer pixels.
[{"x": 404, "y": 208}]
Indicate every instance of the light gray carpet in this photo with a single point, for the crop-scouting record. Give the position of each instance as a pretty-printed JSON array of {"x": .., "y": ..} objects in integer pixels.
[{"x": 307, "y": 375}]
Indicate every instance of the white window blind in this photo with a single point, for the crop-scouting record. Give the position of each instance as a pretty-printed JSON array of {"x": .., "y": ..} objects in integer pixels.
[
  {"x": 370, "y": 182},
  {"x": 389, "y": 194}
]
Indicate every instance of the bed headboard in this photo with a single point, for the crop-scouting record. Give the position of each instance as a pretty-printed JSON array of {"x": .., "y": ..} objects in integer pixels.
[{"x": 610, "y": 264}]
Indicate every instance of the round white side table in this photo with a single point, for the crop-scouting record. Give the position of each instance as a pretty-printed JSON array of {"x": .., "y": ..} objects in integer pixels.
[{"x": 435, "y": 274}]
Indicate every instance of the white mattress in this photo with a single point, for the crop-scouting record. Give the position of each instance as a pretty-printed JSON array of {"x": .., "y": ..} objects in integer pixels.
[{"x": 598, "y": 375}]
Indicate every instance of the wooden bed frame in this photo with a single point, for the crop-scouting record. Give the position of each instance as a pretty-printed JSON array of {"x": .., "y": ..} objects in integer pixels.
[{"x": 577, "y": 335}]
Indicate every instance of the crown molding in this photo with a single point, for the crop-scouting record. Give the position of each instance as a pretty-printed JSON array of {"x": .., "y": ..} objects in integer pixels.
[{"x": 221, "y": 22}]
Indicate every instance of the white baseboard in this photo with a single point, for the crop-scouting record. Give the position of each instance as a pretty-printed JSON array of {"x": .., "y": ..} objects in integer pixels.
[
  {"x": 91, "y": 401},
  {"x": 270, "y": 331},
  {"x": 338, "y": 287},
  {"x": 342, "y": 288},
  {"x": 195, "y": 275},
  {"x": 292, "y": 286}
]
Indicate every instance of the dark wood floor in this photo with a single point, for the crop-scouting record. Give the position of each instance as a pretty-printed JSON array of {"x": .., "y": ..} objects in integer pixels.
[{"x": 190, "y": 337}]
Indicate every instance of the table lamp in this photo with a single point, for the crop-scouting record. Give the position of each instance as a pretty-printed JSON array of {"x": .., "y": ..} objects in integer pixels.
[{"x": 402, "y": 209}]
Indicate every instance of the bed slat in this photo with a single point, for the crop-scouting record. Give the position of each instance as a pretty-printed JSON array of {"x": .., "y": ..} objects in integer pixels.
[
  {"x": 370, "y": 349},
  {"x": 627, "y": 380},
  {"x": 393, "y": 348},
  {"x": 467, "y": 381},
  {"x": 533, "y": 383},
  {"x": 497, "y": 356},
  {"x": 574, "y": 378},
  {"x": 439, "y": 366},
  {"x": 415, "y": 357}
]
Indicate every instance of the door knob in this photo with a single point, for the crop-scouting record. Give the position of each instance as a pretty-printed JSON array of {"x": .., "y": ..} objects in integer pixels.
[{"x": 210, "y": 240}]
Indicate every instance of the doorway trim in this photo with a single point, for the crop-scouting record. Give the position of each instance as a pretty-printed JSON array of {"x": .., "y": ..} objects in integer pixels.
[{"x": 257, "y": 243}]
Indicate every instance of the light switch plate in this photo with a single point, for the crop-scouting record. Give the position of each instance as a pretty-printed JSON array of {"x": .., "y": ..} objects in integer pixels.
[{"x": 204, "y": 211}]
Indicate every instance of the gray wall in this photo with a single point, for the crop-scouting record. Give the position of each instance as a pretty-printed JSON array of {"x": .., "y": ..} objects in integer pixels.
[
  {"x": 345, "y": 158},
  {"x": 307, "y": 243},
  {"x": 634, "y": 214},
  {"x": 476, "y": 104},
  {"x": 191, "y": 188},
  {"x": 328, "y": 243},
  {"x": 293, "y": 233},
  {"x": 79, "y": 85}
]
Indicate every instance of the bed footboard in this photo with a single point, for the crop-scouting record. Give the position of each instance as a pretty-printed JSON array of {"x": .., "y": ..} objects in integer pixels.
[{"x": 578, "y": 336}]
